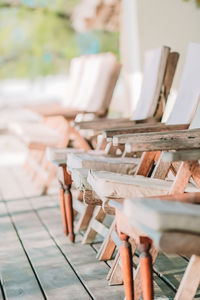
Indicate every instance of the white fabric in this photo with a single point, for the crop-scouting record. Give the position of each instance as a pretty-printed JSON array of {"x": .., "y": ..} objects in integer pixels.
[
  {"x": 95, "y": 161},
  {"x": 189, "y": 89},
  {"x": 154, "y": 70},
  {"x": 75, "y": 73},
  {"x": 107, "y": 184},
  {"x": 162, "y": 215}
]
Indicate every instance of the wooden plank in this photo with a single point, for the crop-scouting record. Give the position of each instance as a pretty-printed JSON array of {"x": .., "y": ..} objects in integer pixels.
[
  {"x": 143, "y": 128},
  {"x": 17, "y": 277},
  {"x": 55, "y": 274},
  {"x": 82, "y": 257},
  {"x": 175, "y": 140}
]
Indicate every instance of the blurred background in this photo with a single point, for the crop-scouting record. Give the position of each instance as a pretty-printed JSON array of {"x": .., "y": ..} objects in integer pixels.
[{"x": 38, "y": 38}]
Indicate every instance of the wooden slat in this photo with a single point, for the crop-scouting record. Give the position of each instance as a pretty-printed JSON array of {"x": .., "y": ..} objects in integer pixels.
[
  {"x": 176, "y": 140},
  {"x": 82, "y": 257},
  {"x": 16, "y": 274},
  {"x": 55, "y": 274},
  {"x": 143, "y": 128}
]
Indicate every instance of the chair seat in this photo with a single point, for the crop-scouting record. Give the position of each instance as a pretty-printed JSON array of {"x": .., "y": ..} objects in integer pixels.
[
  {"x": 97, "y": 161},
  {"x": 173, "y": 226},
  {"x": 107, "y": 184},
  {"x": 162, "y": 215},
  {"x": 35, "y": 133},
  {"x": 59, "y": 156}
]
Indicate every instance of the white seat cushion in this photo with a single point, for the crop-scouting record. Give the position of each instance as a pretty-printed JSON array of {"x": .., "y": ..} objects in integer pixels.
[
  {"x": 107, "y": 184},
  {"x": 162, "y": 215},
  {"x": 35, "y": 133},
  {"x": 59, "y": 156},
  {"x": 96, "y": 161}
]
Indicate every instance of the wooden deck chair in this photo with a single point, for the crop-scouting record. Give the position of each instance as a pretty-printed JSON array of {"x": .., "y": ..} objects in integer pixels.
[
  {"x": 126, "y": 166},
  {"x": 110, "y": 185},
  {"x": 169, "y": 226},
  {"x": 100, "y": 71},
  {"x": 156, "y": 86},
  {"x": 89, "y": 73}
]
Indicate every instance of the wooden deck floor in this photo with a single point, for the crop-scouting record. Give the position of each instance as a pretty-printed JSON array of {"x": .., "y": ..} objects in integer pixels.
[{"x": 37, "y": 261}]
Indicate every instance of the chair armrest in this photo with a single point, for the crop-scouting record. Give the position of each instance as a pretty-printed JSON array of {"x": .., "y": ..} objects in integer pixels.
[
  {"x": 103, "y": 123},
  {"x": 109, "y": 133},
  {"x": 160, "y": 141}
]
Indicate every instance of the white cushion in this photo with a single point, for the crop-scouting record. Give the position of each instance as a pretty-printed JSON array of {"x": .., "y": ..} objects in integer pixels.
[
  {"x": 126, "y": 165},
  {"x": 59, "y": 156},
  {"x": 35, "y": 133},
  {"x": 107, "y": 184},
  {"x": 162, "y": 215}
]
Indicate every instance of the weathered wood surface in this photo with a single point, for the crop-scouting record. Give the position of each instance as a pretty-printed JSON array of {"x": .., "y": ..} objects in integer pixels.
[
  {"x": 175, "y": 140},
  {"x": 17, "y": 277},
  {"x": 38, "y": 223},
  {"x": 54, "y": 274},
  {"x": 140, "y": 128},
  {"x": 90, "y": 272},
  {"x": 104, "y": 123}
]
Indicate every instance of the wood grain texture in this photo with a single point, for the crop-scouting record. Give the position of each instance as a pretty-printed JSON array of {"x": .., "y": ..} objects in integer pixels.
[
  {"x": 175, "y": 140},
  {"x": 16, "y": 274},
  {"x": 190, "y": 281},
  {"x": 140, "y": 128}
]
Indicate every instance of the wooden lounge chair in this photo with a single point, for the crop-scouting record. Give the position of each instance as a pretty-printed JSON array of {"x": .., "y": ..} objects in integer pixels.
[
  {"x": 159, "y": 80},
  {"x": 164, "y": 224},
  {"x": 148, "y": 160},
  {"x": 87, "y": 73},
  {"x": 99, "y": 70},
  {"x": 110, "y": 185}
]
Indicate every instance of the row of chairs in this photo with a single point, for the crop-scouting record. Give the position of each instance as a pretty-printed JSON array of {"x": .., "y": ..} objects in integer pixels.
[{"x": 135, "y": 159}]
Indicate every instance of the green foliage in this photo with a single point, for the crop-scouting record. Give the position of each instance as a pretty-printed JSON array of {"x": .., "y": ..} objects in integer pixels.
[
  {"x": 36, "y": 40},
  {"x": 197, "y": 2}
]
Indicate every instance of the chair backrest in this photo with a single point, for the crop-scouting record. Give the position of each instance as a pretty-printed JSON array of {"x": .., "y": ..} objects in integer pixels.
[
  {"x": 75, "y": 72},
  {"x": 189, "y": 89},
  {"x": 97, "y": 84},
  {"x": 154, "y": 70}
]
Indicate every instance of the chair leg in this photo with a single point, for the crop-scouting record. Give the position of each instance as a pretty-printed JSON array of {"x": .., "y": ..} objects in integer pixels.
[
  {"x": 63, "y": 211},
  {"x": 190, "y": 280},
  {"x": 85, "y": 218},
  {"x": 108, "y": 246},
  {"x": 115, "y": 274},
  {"x": 92, "y": 230},
  {"x": 127, "y": 268},
  {"x": 69, "y": 213},
  {"x": 146, "y": 271}
]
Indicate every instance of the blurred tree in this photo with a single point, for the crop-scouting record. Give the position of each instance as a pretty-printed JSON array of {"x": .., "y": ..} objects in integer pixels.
[{"x": 36, "y": 38}]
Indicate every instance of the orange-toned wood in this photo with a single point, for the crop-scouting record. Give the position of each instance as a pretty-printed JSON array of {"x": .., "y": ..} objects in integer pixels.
[
  {"x": 146, "y": 270},
  {"x": 68, "y": 203},
  {"x": 85, "y": 217},
  {"x": 69, "y": 213},
  {"x": 127, "y": 267},
  {"x": 183, "y": 175},
  {"x": 63, "y": 211},
  {"x": 108, "y": 246},
  {"x": 146, "y": 163}
]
